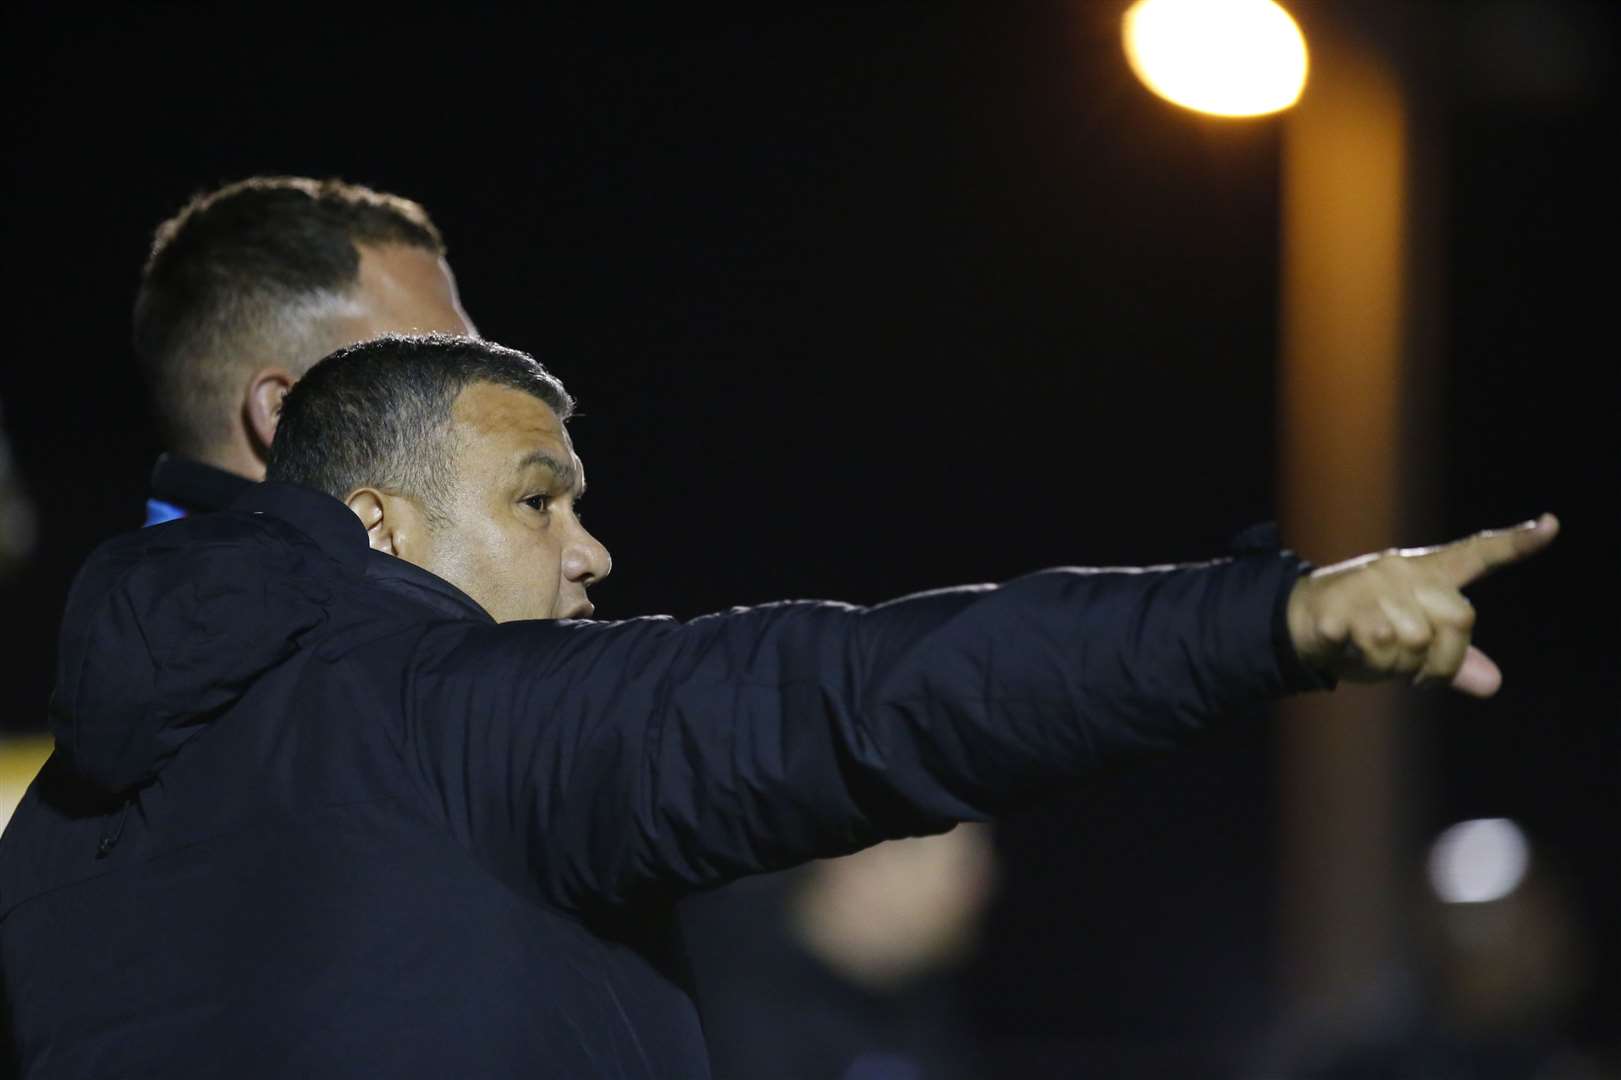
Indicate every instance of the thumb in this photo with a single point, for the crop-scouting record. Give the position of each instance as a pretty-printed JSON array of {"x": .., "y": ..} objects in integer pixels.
[{"x": 1479, "y": 676}]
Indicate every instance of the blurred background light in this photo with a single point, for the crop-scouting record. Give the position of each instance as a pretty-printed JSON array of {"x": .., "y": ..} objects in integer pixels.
[
  {"x": 20, "y": 761},
  {"x": 1224, "y": 57},
  {"x": 1474, "y": 862}
]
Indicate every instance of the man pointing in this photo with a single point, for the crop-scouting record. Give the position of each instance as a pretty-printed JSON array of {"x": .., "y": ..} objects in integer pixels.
[{"x": 345, "y": 785}]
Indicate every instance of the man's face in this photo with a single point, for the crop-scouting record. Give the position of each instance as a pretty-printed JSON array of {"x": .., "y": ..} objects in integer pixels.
[
  {"x": 401, "y": 290},
  {"x": 514, "y": 541}
]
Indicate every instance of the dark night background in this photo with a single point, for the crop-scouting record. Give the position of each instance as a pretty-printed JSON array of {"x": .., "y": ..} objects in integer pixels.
[{"x": 863, "y": 301}]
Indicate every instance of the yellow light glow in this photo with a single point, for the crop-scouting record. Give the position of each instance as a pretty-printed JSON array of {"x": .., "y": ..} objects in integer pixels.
[
  {"x": 20, "y": 761},
  {"x": 1225, "y": 57}
]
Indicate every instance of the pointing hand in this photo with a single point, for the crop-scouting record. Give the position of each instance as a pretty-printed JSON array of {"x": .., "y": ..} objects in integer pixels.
[{"x": 1402, "y": 612}]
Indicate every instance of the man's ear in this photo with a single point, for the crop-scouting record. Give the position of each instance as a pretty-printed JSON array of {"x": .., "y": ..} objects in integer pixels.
[
  {"x": 371, "y": 507},
  {"x": 261, "y": 407},
  {"x": 394, "y": 524}
]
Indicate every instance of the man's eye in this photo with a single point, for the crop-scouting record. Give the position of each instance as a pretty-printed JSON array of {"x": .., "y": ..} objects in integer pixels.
[{"x": 543, "y": 503}]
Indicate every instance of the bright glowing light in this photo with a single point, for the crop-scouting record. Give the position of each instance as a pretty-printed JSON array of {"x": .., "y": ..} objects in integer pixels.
[
  {"x": 1226, "y": 57},
  {"x": 1477, "y": 861}
]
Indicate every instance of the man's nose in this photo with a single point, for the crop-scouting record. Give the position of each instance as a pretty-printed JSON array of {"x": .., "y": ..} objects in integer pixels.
[{"x": 586, "y": 560}]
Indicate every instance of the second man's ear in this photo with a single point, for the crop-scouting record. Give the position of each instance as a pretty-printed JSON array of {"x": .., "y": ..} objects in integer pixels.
[{"x": 262, "y": 406}]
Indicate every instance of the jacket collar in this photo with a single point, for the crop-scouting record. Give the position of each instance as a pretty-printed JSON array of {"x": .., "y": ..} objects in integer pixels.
[
  {"x": 332, "y": 525},
  {"x": 399, "y": 576},
  {"x": 338, "y": 532},
  {"x": 194, "y": 487}
]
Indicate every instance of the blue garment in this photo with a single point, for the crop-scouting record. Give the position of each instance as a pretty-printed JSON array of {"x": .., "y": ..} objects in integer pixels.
[
  {"x": 313, "y": 813},
  {"x": 158, "y": 511}
]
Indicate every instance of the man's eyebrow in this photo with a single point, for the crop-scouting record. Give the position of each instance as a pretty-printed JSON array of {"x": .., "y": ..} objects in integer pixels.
[{"x": 563, "y": 470}]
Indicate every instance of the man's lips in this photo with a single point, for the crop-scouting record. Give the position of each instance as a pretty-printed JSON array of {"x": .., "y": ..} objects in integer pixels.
[{"x": 583, "y": 610}]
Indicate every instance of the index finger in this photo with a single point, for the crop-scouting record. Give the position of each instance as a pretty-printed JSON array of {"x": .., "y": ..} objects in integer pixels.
[{"x": 1476, "y": 556}]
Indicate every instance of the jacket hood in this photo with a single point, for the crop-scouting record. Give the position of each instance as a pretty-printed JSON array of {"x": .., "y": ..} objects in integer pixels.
[{"x": 166, "y": 628}]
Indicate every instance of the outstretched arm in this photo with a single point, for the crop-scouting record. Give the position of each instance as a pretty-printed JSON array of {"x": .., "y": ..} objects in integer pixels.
[
  {"x": 602, "y": 761},
  {"x": 599, "y": 762}
]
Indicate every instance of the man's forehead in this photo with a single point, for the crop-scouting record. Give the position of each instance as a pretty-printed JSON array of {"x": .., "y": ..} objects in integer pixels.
[
  {"x": 403, "y": 289},
  {"x": 516, "y": 425},
  {"x": 493, "y": 409}
]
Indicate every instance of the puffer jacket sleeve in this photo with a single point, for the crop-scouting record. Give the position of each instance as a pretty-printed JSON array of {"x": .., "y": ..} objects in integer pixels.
[{"x": 609, "y": 761}]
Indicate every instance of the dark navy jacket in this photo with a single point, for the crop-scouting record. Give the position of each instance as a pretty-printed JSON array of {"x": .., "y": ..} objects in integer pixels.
[{"x": 312, "y": 813}]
